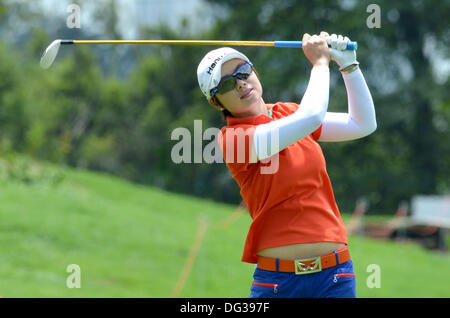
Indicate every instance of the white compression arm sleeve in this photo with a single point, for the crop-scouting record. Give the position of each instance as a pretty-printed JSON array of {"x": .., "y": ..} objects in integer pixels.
[
  {"x": 273, "y": 137},
  {"x": 360, "y": 120}
]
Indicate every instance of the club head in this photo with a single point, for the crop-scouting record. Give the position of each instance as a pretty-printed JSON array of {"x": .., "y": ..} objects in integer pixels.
[{"x": 50, "y": 54}]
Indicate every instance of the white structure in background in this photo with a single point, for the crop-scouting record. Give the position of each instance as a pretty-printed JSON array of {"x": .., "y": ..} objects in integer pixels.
[
  {"x": 135, "y": 13},
  {"x": 170, "y": 12}
]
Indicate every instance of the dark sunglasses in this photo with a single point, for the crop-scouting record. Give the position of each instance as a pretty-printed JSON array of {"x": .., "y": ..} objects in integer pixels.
[{"x": 228, "y": 83}]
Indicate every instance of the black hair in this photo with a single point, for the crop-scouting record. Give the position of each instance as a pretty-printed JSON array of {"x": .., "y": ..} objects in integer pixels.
[{"x": 225, "y": 112}]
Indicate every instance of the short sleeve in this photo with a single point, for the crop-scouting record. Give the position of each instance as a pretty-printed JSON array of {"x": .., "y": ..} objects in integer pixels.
[
  {"x": 236, "y": 143},
  {"x": 289, "y": 108},
  {"x": 316, "y": 134}
]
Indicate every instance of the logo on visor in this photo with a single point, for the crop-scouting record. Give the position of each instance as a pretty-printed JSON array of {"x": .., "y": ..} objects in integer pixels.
[{"x": 213, "y": 65}]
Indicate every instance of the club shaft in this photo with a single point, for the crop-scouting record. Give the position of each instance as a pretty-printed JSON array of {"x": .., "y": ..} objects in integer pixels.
[{"x": 176, "y": 42}]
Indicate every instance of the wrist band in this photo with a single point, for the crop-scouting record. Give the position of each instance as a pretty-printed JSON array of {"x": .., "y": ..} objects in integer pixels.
[{"x": 350, "y": 69}]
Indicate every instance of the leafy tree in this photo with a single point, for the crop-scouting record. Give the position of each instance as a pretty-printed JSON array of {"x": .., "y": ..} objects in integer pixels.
[{"x": 114, "y": 108}]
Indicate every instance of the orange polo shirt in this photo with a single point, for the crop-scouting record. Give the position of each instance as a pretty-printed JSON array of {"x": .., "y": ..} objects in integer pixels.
[{"x": 292, "y": 202}]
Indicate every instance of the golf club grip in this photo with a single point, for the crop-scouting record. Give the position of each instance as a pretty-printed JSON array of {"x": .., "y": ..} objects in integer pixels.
[{"x": 298, "y": 44}]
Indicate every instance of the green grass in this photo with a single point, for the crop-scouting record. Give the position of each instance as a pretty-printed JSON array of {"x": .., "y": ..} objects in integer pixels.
[{"x": 132, "y": 241}]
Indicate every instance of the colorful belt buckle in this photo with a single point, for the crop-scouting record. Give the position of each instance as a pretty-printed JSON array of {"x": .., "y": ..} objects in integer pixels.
[{"x": 302, "y": 268}]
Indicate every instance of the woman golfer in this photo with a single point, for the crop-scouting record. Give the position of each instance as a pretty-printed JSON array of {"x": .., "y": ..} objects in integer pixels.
[{"x": 297, "y": 237}]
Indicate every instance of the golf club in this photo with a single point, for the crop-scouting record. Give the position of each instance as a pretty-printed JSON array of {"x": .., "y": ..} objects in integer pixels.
[{"x": 52, "y": 50}]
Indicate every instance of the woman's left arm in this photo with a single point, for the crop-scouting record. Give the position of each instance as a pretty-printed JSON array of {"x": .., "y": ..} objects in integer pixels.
[{"x": 360, "y": 120}]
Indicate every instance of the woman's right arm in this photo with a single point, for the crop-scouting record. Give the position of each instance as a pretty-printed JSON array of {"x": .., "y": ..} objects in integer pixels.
[
  {"x": 275, "y": 136},
  {"x": 271, "y": 138}
]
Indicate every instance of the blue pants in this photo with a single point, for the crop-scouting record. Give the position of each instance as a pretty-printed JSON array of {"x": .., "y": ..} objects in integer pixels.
[{"x": 334, "y": 282}]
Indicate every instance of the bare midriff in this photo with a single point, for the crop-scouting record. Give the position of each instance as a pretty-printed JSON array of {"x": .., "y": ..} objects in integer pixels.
[{"x": 300, "y": 251}]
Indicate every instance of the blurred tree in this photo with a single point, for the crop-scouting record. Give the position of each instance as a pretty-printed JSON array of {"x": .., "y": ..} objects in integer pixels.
[
  {"x": 114, "y": 108},
  {"x": 105, "y": 15},
  {"x": 12, "y": 99}
]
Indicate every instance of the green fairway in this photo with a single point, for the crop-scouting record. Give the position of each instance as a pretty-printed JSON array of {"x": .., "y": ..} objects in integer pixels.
[{"x": 133, "y": 241}]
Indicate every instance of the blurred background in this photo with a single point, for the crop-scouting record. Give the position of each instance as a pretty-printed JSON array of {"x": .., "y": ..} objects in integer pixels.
[{"x": 86, "y": 175}]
